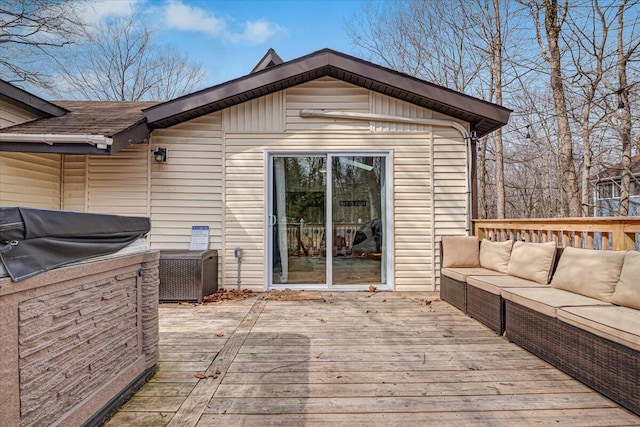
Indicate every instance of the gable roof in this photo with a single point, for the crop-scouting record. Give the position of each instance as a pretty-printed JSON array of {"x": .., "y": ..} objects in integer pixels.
[
  {"x": 28, "y": 101},
  {"x": 484, "y": 116},
  {"x": 123, "y": 122},
  {"x": 269, "y": 59}
]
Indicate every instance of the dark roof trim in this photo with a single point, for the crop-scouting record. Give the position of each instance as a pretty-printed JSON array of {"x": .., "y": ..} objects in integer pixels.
[
  {"x": 29, "y": 101},
  {"x": 46, "y": 148},
  {"x": 269, "y": 59},
  {"x": 135, "y": 134},
  {"x": 486, "y": 116}
]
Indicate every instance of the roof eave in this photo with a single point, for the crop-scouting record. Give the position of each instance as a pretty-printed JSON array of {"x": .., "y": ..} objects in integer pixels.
[
  {"x": 30, "y": 101},
  {"x": 331, "y": 63},
  {"x": 137, "y": 133}
]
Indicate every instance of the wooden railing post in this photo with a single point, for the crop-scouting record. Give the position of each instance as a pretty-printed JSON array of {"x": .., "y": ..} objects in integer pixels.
[
  {"x": 479, "y": 231},
  {"x": 622, "y": 241}
]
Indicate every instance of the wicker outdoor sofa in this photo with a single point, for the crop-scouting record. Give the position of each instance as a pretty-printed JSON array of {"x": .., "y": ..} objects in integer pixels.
[{"x": 579, "y": 311}]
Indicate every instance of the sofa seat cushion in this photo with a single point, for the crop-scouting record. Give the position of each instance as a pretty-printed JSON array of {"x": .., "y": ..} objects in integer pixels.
[
  {"x": 617, "y": 324},
  {"x": 548, "y": 300},
  {"x": 460, "y": 251},
  {"x": 495, "y": 284},
  {"x": 532, "y": 261},
  {"x": 495, "y": 255},
  {"x": 589, "y": 272},
  {"x": 627, "y": 291},
  {"x": 460, "y": 274}
]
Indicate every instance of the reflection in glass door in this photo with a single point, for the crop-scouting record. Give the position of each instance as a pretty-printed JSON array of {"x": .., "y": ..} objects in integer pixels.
[
  {"x": 298, "y": 220},
  {"x": 328, "y": 220},
  {"x": 358, "y": 218}
]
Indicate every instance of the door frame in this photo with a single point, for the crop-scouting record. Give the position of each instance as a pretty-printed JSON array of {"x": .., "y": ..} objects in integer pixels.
[{"x": 268, "y": 218}]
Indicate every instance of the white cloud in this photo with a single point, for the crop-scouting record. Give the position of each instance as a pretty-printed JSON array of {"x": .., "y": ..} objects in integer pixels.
[
  {"x": 93, "y": 12},
  {"x": 258, "y": 32},
  {"x": 183, "y": 17}
]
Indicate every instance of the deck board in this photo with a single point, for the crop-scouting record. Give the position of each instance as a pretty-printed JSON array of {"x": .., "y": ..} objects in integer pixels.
[{"x": 352, "y": 359}]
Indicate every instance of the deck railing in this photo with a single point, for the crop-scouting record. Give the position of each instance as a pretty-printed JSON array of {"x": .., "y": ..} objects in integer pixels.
[{"x": 615, "y": 233}]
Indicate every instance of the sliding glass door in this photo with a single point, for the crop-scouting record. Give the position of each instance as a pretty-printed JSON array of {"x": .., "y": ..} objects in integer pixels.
[
  {"x": 358, "y": 220},
  {"x": 345, "y": 194}
]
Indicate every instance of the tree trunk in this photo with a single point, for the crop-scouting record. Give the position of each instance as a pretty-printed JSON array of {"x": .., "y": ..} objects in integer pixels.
[
  {"x": 625, "y": 116},
  {"x": 569, "y": 177},
  {"x": 496, "y": 70}
]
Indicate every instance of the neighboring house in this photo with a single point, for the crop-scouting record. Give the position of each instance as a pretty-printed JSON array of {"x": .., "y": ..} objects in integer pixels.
[
  {"x": 607, "y": 194},
  {"x": 269, "y": 162}
]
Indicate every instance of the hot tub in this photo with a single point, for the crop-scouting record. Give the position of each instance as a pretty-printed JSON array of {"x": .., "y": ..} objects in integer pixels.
[{"x": 77, "y": 340}]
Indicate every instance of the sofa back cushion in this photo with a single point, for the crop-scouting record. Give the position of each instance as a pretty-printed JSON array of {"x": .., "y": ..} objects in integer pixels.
[
  {"x": 627, "y": 291},
  {"x": 589, "y": 272},
  {"x": 460, "y": 251},
  {"x": 532, "y": 261},
  {"x": 495, "y": 255}
]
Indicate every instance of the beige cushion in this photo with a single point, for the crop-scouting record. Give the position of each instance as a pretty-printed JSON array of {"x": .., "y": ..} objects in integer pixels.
[
  {"x": 495, "y": 255},
  {"x": 627, "y": 292},
  {"x": 494, "y": 284},
  {"x": 532, "y": 261},
  {"x": 460, "y": 251},
  {"x": 618, "y": 324},
  {"x": 460, "y": 274},
  {"x": 589, "y": 272},
  {"x": 547, "y": 300}
]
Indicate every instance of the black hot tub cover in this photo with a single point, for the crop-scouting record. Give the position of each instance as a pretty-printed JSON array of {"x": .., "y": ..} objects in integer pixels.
[{"x": 33, "y": 241}]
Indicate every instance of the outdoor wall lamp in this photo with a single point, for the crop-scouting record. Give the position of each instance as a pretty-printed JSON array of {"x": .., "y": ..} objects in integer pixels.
[{"x": 160, "y": 155}]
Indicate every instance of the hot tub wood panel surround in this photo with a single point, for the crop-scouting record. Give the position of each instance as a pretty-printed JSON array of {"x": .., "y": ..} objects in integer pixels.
[{"x": 75, "y": 338}]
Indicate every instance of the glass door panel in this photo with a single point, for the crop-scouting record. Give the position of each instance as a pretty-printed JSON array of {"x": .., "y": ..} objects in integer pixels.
[
  {"x": 358, "y": 214},
  {"x": 298, "y": 218}
]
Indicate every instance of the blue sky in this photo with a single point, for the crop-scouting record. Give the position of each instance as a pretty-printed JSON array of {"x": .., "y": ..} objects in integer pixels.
[{"x": 230, "y": 37}]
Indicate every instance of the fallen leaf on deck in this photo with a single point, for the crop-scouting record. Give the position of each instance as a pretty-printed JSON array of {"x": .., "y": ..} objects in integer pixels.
[
  {"x": 200, "y": 375},
  {"x": 427, "y": 302},
  {"x": 372, "y": 288},
  {"x": 227, "y": 295},
  {"x": 220, "y": 334}
]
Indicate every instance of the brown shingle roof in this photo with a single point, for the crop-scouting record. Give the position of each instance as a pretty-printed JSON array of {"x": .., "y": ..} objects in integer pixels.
[
  {"x": 616, "y": 171},
  {"x": 86, "y": 118},
  {"x": 124, "y": 122}
]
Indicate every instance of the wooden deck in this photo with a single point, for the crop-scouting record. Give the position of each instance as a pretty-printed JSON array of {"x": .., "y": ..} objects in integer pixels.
[{"x": 352, "y": 359}]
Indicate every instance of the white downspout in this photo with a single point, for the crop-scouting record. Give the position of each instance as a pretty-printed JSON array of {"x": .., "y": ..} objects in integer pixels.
[{"x": 412, "y": 120}]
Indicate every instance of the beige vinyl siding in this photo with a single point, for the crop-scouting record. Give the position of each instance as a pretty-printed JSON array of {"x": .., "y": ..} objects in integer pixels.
[
  {"x": 30, "y": 179},
  {"x": 216, "y": 172},
  {"x": 187, "y": 189},
  {"x": 382, "y": 104},
  {"x": 245, "y": 200},
  {"x": 450, "y": 196},
  {"x": 74, "y": 180},
  {"x": 117, "y": 184},
  {"x": 260, "y": 114},
  {"x": 326, "y": 93},
  {"x": 12, "y": 115}
]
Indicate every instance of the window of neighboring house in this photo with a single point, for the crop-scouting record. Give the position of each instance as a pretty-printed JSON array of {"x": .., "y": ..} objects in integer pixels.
[
  {"x": 635, "y": 186},
  {"x": 608, "y": 190}
]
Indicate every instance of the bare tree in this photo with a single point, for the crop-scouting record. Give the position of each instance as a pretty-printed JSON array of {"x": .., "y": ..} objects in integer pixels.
[
  {"x": 457, "y": 44},
  {"x": 589, "y": 40},
  {"x": 423, "y": 39},
  {"x": 32, "y": 33},
  {"x": 627, "y": 48},
  {"x": 553, "y": 17},
  {"x": 120, "y": 62}
]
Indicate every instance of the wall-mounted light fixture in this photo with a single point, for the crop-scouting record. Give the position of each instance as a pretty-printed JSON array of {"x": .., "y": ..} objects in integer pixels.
[
  {"x": 160, "y": 155},
  {"x": 528, "y": 135}
]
